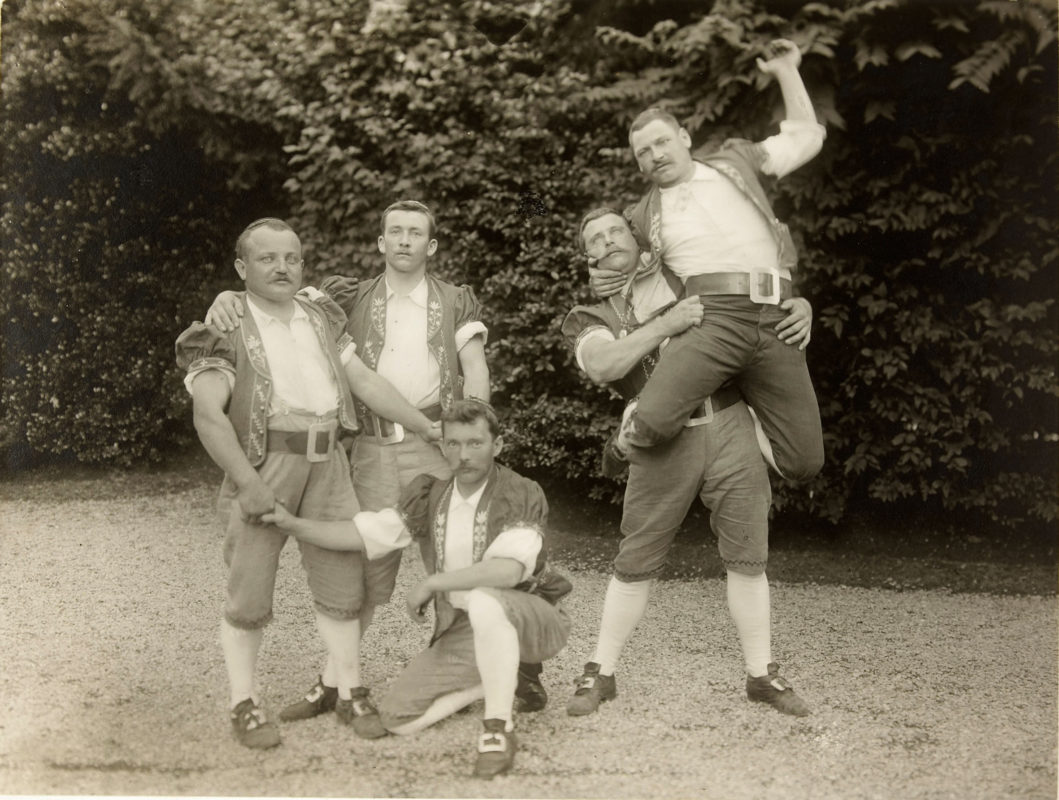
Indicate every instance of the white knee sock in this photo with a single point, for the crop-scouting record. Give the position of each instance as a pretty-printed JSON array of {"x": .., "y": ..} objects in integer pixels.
[
  {"x": 240, "y": 647},
  {"x": 623, "y": 608},
  {"x": 329, "y": 676},
  {"x": 496, "y": 652},
  {"x": 342, "y": 639},
  {"x": 748, "y": 603}
]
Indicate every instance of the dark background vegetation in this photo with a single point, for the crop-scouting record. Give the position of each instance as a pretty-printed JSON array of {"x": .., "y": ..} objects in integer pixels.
[{"x": 139, "y": 138}]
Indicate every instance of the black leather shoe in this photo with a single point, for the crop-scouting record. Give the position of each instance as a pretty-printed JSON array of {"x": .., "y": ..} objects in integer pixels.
[
  {"x": 318, "y": 700},
  {"x": 496, "y": 749},
  {"x": 530, "y": 695}
]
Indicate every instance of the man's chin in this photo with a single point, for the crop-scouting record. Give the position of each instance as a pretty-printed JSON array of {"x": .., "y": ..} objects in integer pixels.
[{"x": 618, "y": 262}]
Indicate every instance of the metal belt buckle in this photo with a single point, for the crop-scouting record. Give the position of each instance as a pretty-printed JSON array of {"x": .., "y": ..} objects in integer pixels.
[
  {"x": 706, "y": 416},
  {"x": 760, "y": 278},
  {"x": 321, "y": 440},
  {"x": 391, "y": 438}
]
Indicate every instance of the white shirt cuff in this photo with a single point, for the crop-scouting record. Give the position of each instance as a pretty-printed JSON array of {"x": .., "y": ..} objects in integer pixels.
[
  {"x": 381, "y": 531},
  {"x": 796, "y": 143},
  {"x": 469, "y": 331},
  {"x": 189, "y": 379},
  {"x": 347, "y": 353},
  {"x": 523, "y": 544},
  {"x": 590, "y": 335}
]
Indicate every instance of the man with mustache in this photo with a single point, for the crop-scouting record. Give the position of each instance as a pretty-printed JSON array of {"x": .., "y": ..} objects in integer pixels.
[
  {"x": 269, "y": 402},
  {"x": 482, "y": 537},
  {"x": 426, "y": 337},
  {"x": 714, "y": 457},
  {"x": 707, "y": 218}
]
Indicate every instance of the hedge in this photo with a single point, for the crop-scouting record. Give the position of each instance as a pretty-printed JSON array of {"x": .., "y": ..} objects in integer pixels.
[{"x": 147, "y": 135}]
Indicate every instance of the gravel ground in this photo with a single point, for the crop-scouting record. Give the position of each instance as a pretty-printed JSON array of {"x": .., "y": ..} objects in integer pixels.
[{"x": 111, "y": 682}]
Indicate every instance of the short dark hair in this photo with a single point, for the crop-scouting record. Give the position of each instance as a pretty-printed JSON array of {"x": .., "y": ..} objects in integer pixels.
[
  {"x": 272, "y": 223},
  {"x": 649, "y": 115},
  {"x": 409, "y": 205},
  {"x": 595, "y": 214},
  {"x": 468, "y": 411}
]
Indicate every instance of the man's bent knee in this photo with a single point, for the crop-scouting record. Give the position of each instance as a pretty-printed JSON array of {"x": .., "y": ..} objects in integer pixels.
[{"x": 484, "y": 608}]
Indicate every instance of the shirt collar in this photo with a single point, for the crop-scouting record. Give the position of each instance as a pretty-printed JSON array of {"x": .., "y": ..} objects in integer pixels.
[
  {"x": 262, "y": 317},
  {"x": 701, "y": 173},
  {"x": 473, "y": 500},
  {"x": 418, "y": 295}
]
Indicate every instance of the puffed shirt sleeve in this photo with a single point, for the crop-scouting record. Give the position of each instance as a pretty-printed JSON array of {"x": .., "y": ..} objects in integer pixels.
[
  {"x": 468, "y": 312},
  {"x": 336, "y": 322},
  {"x": 341, "y": 289},
  {"x": 520, "y": 542},
  {"x": 797, "y": 142},
  {"x": 414, "y": 506},
  {"x": 201, "y": 348},
  {"x": 581, "y": 326}
]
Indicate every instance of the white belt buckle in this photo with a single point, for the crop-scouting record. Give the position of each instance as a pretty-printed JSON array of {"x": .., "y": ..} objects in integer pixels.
[
  {"x": 315, "y": 430},
  {"x": 393, "y": 438},
  {"x": 705, "y": 417},
  {"x": 762, "y": 277}
]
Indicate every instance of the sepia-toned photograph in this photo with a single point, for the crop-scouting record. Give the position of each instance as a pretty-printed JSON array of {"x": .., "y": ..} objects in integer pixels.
[{"x": 563, "y": 399}]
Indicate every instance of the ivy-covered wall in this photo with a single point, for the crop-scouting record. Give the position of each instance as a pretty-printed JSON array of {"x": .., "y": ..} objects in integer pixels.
[{"x": 138, "y": 139}]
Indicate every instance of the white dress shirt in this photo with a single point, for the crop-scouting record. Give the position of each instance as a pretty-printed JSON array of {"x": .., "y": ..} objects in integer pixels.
[
  {"x": 523, "y": 544},
  {"x": 406, "y": 360},
  {"x": 302, "y": 379},
  {"x": 709, "y": 225}
]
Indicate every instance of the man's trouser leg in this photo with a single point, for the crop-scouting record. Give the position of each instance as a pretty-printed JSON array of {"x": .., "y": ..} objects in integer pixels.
[{"x": 776, "y": 383}]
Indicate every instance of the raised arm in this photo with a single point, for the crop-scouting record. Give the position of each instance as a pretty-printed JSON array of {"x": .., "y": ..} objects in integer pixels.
[
  {"x": 782, "y": 59},
  {"x": 801, "y": 136}
]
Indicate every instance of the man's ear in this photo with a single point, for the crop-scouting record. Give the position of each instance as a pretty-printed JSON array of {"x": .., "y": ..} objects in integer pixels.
[
  {"x": 240, "y": 267},
  {"x": 498, "y": 444},
  {"x": 382, "y": 245},
  {"x": 685, "y": 137},
  {"x": 432, "y": 247}
]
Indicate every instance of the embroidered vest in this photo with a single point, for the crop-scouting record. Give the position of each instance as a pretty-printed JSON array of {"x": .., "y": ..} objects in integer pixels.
[
  {"x": 248, "y": 407},
  {"x": 367, "y": 325},
  {"x": 509, "y": 500}
]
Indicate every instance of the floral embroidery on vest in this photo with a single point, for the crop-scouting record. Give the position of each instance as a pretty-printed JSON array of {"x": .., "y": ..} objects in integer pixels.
[
  {"x": 436, "y": 343},
  {"x": 481, "y": 519},
  {"x": 480, "y": 535},
  {"x": 440, "y": 521},
  {"x": 377, "y": 331}
]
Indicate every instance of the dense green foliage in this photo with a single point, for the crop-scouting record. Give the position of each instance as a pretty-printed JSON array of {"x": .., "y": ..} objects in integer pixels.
[{"x": 146, "y": 135}]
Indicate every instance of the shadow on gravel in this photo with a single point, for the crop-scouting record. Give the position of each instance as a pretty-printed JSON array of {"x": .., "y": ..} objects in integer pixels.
[{"x": 884, "y": 551}]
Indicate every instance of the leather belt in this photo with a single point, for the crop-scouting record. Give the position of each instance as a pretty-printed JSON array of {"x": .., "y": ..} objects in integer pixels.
[
  {"x": 315, "y": 444},
  {"x": 727, "y": 395},
  {"x": 761, "y": 285},
  {"x": 386, "y": 431}
]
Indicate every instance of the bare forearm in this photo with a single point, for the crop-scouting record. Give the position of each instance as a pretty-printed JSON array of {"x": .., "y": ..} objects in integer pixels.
[
  {"x": 609, "y": 361},
  {"x": 796, "y": 102},
  {"x": 498, "y": 573},
  {"x": 475, "y": 370},
  {"x": 218, "y": 437},
  {"x": 380, "y": 396},
  {"x": 331, "y": 535}
]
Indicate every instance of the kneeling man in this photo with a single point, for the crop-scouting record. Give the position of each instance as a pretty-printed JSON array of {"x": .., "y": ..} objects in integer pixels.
[{"x": 481, "y": 533}]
